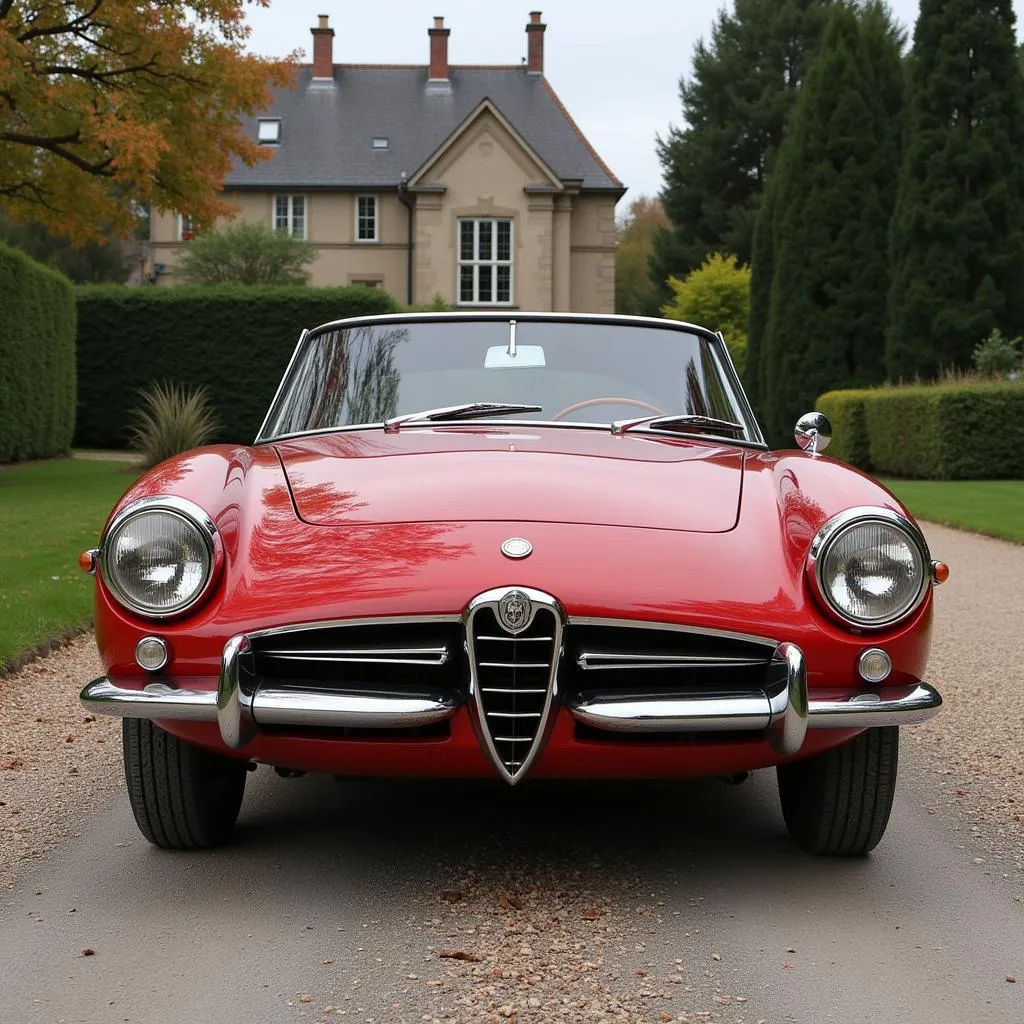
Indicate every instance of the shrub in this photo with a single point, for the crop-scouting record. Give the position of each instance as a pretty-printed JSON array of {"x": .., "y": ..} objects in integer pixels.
[
  {"x": 997, "y": 356},
  {"x": 717, "y": 296},
  {"x": 172, "y": 418},
  {"x": 972, "y": 430},
  {"x": 235, "y": 341},
  {"x": 37, "y": 359},
  {"x": 246, "y": 253},
  {"x": 850, "y": 442}
]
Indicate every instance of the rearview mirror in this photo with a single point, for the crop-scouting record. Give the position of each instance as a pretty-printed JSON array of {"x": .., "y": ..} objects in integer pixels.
[
  {"x": 813, "y": 432},
  {"x": 522, "y": 357}
]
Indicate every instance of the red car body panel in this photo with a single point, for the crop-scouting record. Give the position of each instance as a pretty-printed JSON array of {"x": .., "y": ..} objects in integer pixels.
[{"x": 368, "y": 524}]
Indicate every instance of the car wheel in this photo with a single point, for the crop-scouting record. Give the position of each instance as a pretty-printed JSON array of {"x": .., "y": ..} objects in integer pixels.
[
  {"x": 838, "y": 803},
  {"x": 183, "y": 797}
]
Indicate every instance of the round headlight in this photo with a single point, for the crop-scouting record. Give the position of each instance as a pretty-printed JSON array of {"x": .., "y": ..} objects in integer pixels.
[
  {"x": 870, "y": 567},
  {"x": 158, "y": 559}
]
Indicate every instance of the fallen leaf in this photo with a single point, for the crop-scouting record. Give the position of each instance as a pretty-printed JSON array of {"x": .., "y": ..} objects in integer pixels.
[
  {"x": 592, "y": 914},
  {"x": 716, "y": 956},
  {"x": 88, "y": 952},
  {"x": 305, "y": 999},
  {"x": 1012, "y": 978},
  {"x": 458, "y": 954},
  {"x": 451, "y": 895},
  {"x": 507, "y": 901},
  {"x": 792, "y": 949},
  {"x": 14, "y": 763},
  {"x": 89, "y": 718},
  {"x": 69, "y": 738},
  {"x": 787, "y": 967},
  {"x": 664, "y": 1016}
]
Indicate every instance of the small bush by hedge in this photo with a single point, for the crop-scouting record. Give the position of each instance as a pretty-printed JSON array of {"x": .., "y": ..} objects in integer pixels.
[
  {"x": 970, "y": 430},
  {"x": 234, "y": 340},
  {"x": 37, "y": 359}
]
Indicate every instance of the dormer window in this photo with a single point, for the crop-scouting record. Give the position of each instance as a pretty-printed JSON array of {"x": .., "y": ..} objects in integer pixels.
[
  {"x": 381, "y": 142},
  {"x": 269, "y": 131}
]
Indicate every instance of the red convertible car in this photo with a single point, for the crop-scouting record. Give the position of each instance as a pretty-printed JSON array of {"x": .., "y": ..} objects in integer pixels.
[{"x": 553, "y": 546}]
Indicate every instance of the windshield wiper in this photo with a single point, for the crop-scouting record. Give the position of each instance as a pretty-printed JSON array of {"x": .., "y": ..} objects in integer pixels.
[
  {"x": 687, "y": 423},
  {"x": 466, "y": 411}
]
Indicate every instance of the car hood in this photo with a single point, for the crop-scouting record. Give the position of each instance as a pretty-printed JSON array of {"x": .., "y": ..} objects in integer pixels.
[{"x": 487, "y": 473}]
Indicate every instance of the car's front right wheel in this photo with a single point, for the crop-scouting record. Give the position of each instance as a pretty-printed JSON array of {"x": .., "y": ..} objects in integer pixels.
[
  {"x": 183, "y": 797},
  {"x": 837, "y": 803}
]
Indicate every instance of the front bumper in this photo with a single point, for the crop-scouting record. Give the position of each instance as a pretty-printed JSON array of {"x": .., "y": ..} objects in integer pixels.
[{"x": 782, "y": 714}]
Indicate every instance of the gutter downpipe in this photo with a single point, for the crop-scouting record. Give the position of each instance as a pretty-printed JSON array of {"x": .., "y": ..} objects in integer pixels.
[{"x": 403, "y": 198}]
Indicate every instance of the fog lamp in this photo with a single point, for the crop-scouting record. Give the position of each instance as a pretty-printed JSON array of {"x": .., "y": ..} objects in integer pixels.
[
  {"x": 874, "y": 665},
  {"x": 151, "y": 653}
]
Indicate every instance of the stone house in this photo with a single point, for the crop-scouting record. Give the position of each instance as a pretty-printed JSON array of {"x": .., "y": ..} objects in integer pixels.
[{"x": 468, "y": 181}]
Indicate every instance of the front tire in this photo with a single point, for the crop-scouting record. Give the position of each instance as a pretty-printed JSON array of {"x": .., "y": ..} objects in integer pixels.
[
  {"x": 837, "y": 803},
  {"x": 183, "y": 797}
]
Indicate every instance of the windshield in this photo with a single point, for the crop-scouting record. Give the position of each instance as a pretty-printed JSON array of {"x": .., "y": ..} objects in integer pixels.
[{"x": 577, "y": 371}]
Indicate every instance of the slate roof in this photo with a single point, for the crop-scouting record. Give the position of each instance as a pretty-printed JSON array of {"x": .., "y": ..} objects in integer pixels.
[{"x": 326, "y": 134}]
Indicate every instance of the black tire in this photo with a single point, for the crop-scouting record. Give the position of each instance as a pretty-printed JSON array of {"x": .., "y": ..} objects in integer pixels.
[
  {"x": 183, "y": 797},
  {"x": 837, "y": 803}
]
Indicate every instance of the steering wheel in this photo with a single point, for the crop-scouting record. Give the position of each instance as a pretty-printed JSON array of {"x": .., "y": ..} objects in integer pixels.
[{"x": 639, "y": 403}]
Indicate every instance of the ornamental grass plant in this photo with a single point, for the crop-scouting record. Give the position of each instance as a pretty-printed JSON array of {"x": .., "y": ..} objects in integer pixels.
[{"x": 172, "y": 419}]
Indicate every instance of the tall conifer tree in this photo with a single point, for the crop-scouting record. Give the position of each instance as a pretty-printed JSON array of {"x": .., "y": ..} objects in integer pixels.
[
  {"x": 735, "y": 108},
  {"x": 821, "y": 261},
  {"x": 957, "y": 237}
]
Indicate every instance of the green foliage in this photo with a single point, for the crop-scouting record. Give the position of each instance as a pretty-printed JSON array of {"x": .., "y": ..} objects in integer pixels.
[
  {"x": 247, "y": 253},
  {"x": 822, "y": 275},
  {"x": 634, "y": 292},
  {"x": 845, "y": 410},
  {"x": 997, "y": 356},
  {"x": 971, "y": 430},
  {"x": 717, "y": 296},
  {"x": 735, "y": 104},
  {"x": 173, "y": 418},
  {"x": 91, "y": 263},
  {"x": 37, "y": 359},
  {"x": 233, "y": 340},
  {"x": 437, "y": 303},
  {"x": 958, "y": 231}
]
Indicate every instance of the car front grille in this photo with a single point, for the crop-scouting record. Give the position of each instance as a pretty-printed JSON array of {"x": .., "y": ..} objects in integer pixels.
[
  {"x": 513, "y": 677},
  {"x": 381, "y": 658}
]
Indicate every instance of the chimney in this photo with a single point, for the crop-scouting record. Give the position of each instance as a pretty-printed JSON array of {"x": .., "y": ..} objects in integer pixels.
[
  {"x": 323, "y": 49},
  {"x": 439, "y": 51},
  {"x": 535, "y": 44}
]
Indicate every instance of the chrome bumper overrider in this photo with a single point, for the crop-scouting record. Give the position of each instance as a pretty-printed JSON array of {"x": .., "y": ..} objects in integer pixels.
[{"x": 783, "y": 711}]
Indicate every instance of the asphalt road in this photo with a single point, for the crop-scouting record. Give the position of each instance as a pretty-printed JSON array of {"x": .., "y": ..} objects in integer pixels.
[{"x": 341, "y": 894}]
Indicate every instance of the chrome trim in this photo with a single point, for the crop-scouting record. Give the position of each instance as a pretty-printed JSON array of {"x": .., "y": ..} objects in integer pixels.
[
  {"x": 435, "y": 656},
  {"x": 830, "y": 532},
  {"x": 514, "y": 664},
  {"x": 690, "y": 713},
  {"x": 157, "y": 700},
  {"x": 788, "y": 725},
  {"x": 591, "y": 620},
  {"x": 234, "y": 702},
  {"x": 277, "y": 394},
  {"x": 511, "y": 338},
  {"x": 492, "y": 599},
  {"x": 357, "y": 711},
  {"x": 166, "y": 652},
  {"x": 378, "y": 620},
  {"x": 592, "y": 661},
  {"x": 519, "y": 639},
  {"x": 94, "y": 554},
  {"x": 813, "y": 433},
  {"x": 189, "y": 512},
  {"x": 890, "y": 705}
]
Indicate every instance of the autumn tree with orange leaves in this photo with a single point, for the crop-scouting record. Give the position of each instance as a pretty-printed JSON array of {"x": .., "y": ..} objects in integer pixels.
[{"x": 109, "y": 106}]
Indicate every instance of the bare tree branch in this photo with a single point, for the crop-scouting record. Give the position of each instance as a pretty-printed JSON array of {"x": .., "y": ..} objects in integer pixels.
[
  {"x": 57, "y": 30},
  {"x": 55, "y": 146}
]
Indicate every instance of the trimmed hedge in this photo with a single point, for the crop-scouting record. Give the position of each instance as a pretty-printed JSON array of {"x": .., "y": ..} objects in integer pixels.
[
  {"x": 37, "y": 359},
  {"x": 235, "y": 340},
  {"x": 972, "y": 430}
]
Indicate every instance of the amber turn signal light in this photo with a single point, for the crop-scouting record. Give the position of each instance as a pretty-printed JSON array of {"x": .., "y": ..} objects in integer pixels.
[
  {"x": 940, "y": 572},
  {"x": 87, "y": 561}
]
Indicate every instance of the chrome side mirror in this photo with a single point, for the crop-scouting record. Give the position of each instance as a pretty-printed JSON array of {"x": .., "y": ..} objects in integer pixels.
[{"x": 813, "y": 432}]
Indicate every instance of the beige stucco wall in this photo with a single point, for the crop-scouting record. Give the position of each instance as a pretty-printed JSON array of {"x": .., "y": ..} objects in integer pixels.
[
  {"x": 330, "y": 226},
  {"x": 592, "y": 244}
]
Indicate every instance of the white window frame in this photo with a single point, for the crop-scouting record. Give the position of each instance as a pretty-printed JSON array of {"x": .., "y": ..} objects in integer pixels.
[
  {"x": 268, "y": 121},
  {"x": 290, "y": 217},
  {"x": 183, "y": 219},
  {"x": 376, "y": 219},
  {"x": 493, "y": 262}
]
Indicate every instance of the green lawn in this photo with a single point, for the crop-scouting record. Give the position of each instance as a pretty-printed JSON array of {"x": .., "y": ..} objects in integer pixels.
[
  {"x": 995, "y": 507},
  {"x": 50, "y": 512}
]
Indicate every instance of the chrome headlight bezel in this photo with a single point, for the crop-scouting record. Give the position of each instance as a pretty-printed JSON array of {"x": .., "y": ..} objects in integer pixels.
[
  {"x": 838, "y": 526},
  {"x": 196, "y": 518}
]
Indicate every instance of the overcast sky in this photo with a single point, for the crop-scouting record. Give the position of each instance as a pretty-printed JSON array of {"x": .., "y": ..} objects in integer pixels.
[{"x": 616, "y": 65}]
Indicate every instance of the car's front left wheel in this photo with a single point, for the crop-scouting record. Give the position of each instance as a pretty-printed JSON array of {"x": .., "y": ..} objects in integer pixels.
[
  {"x": 837, "y": 803},
  {"x": 183, "y": 797}
]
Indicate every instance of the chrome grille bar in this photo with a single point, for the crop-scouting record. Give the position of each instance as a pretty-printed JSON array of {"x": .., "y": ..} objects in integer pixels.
[
  {"x": 374, "y": 656},
  {"x": 591, "y": 661}
]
